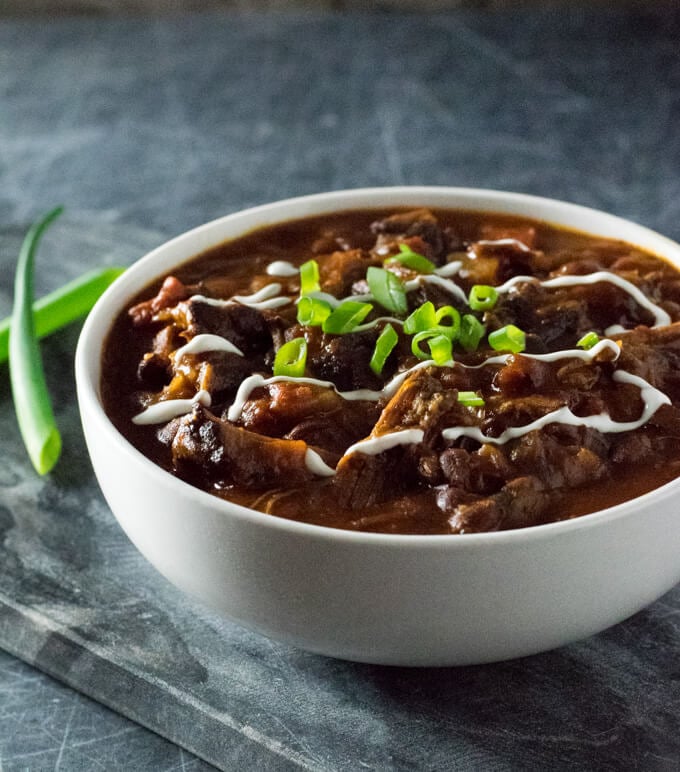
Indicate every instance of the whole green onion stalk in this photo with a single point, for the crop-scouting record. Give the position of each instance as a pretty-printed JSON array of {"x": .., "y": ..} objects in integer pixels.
[{"x": 19, "y": 340}]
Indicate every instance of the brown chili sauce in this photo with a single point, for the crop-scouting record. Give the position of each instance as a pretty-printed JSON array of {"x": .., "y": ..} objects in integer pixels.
[{"x": 558, "y": 396}]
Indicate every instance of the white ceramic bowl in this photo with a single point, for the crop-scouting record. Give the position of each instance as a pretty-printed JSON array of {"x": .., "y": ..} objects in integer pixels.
[{"x": 390, "y": 599}]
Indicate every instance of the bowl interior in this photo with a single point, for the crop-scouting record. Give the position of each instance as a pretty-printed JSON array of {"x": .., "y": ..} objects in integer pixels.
[{"x": 182, "y": 248}]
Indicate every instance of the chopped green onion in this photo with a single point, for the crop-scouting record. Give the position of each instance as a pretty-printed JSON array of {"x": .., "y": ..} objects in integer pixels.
[
  {"x": 423, "y": 318},
  {"x": 291, "y": 358},
  {"x": 470, "y": 399},
  {"x": 309, "y": 277},
  {"x": 387, "y": 289},
  {"x": 412, "y": 260},
  {"x": 387, "y": 340},
  {"x": 29, "y": 389},
  {"x": 508, "y": 338},
  {"x": 451, "y": 329},
  {"x": 588, "y": 340},
  {"x": 471, "y": 332},
  {"x": 347, "y": 316},
  {"x": 313, "y": 312},
  {"x": 482, "y": 297},
  {"x": 64, "y": 305},
  {"x": 440, "y": 346}
]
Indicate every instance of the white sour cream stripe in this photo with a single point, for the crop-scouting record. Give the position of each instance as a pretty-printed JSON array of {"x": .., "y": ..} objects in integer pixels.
[
  {"x": 200, "y": 344},
  {"x": 165, "y": 411},
  {"x": 587, "y": 355},
  {"x": 282, "y": 268},
  {"x": 375, "y": 322},
  {"x": 375, "y": 445},
  {"x": 317, "y": 465},
  {"x": 450, "y": 269},
  {"x": 652, "y": 398},
  {"x": 501, "y": 243},
  {"x": 267, "y": 297},
  {"x": 253, "y": 382},
  {"x": 660, "y": 316}
]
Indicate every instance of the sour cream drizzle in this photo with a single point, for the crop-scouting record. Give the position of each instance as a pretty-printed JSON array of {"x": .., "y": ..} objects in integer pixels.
[
  {"x": 200, "y": 344},
  {"x": 450, "y": 269},
  {"x": 502, "y": 243},
  {"x": 267, "y": 297},
  {"x": 168, "y": 409},
  {"x": 375, "y": 445},
  {"x": 653, "y": 399},
  {"x": 253, "y": 382},
  {"x": 282, "y": 268},
  {"x": 660, "y": 316}
]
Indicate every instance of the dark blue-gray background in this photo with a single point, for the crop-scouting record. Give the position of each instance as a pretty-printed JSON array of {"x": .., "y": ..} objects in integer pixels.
[{"x": 145, "y": 127}]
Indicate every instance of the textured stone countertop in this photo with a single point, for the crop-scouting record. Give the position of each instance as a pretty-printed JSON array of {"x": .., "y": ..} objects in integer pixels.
[{"x": 143, "y": 128}]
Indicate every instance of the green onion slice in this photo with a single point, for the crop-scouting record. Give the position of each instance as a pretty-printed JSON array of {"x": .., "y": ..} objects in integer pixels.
[
  {"x": 387, "y": 340},
  {"x": 313, "y": 311},
  {"x": 508, "y": 338},
  {"x": 471, "y": 332},
  {"x": 348, "y": 315},
  {"x": 423, "y": 318},
  {"x": 440, "y": 346},
  {"x": 29, "y": 389},
  {"x": 63, "y": 306},
  {"x": 588, "y": 340},
  {"x": 470, "y": 399},
  {"x": 387, "y": 289},
  {"x": 452, "y": 327},
  {"x": 309, "y": 277},
  {"x": 413, "y": 260},
  {"x": 291, "y": 358},
  {"x": 482, "y": 297}
]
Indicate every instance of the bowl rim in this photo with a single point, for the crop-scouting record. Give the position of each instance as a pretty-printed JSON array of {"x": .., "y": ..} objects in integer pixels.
[{"x": 98, "y": 322}]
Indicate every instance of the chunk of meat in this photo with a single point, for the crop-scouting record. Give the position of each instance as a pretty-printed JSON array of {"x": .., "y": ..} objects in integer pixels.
[
  {"x": 422, "y": 402},
  {"x": 244, "y": 326},
  {"x": 340, "y": 270},
  {"x": 419, "y": 222},
  {"x": 344, "y": 360},
  {"x": 172, "y": 291},
  {"x": 520, "y": 503},
  {"x": 556, "y": 464},
  {"x": 362, "y": 480},
  {"x": 654, "y": 354},
  {"x": 221, "y": 373},
  {"x": 207, "y": 450},
  {"x": 309, "y": 412}
]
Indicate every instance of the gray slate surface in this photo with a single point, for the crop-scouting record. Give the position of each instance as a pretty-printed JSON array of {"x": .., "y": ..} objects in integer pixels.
[{"x": 144, "y": 128}]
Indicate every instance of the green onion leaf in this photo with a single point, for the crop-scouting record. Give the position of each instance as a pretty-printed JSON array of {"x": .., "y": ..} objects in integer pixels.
[
  {"x": 387, "y": 289},
  {"x": 440, "y": 346},
  {"x": 412, "y": 260},
  {"x": 63, "y": 306},
  {"x": 309, "y": 277},
  {"x": 387, "y": 340},
  {"x": 29, "y": 390},
  {"x": 291, "y": 358},
  {"x": 347, "y": 316},
  {"x": 423, "y": 318},
  {"x": 471, "y": 332},
  {"x": 470, "y": 399},
  {"x": 588, "y": 340},
  {"x": 313, "y": 312},
  {"x": 508, "y": 338},
  {"x": 452, "y": 328},
  {"x": 482, "y": 297}
]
